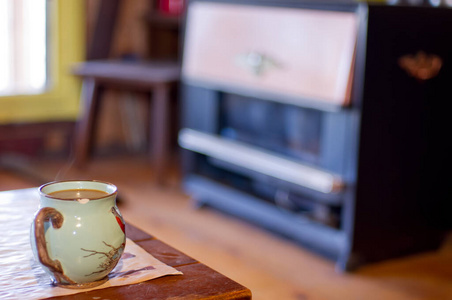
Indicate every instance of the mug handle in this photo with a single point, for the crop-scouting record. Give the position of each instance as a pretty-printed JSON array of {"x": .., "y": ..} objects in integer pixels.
[{"x": 46, "y": 214}]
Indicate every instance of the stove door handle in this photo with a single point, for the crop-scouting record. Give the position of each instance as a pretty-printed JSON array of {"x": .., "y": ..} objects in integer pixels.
[{"x": 261, "y": 161}]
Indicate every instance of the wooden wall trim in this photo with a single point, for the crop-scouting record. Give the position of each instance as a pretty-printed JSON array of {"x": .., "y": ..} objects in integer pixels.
[{"x": 36, "y": 138}]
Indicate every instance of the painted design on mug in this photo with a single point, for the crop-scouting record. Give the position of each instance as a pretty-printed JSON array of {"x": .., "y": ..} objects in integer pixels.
[
  {"x": 119, "y": 219},
  {"x": 111, "y": 256}
]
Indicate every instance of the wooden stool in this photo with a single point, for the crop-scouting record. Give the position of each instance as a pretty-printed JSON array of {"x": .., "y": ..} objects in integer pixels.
[{"x": 155, "y": 77}]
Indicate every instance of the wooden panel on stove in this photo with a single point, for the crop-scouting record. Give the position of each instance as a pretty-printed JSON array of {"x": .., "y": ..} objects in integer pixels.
[{"x": 300, "y": 53}]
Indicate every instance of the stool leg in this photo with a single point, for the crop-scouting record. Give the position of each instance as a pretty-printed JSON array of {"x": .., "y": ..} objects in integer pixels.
[
  {"x": 84, "y": 131},
  {"x": 159, "y": 130}
]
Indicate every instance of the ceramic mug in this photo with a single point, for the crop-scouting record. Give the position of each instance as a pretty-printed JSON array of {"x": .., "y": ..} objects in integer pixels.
[{"x": 78, "y": 239}]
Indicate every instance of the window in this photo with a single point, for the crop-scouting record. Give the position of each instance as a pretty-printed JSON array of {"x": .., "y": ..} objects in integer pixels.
[
  {"x": 23, "y": 36},
  {"x": 49, "y": 91}
]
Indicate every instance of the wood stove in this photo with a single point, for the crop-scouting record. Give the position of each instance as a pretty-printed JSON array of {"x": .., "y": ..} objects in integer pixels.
[{"x": 321, "y": 122}]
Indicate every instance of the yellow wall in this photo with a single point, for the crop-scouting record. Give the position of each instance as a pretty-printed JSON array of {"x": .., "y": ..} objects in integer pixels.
[{"x": 60, "y": 101}]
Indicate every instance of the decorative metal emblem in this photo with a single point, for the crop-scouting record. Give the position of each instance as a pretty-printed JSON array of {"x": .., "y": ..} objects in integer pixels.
[
  {"x": 256, "y": 62},
  {"x": 421, "y": 66}
]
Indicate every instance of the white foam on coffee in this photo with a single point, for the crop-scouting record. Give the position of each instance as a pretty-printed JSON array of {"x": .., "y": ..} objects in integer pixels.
[{"x": 83, "y": 201}]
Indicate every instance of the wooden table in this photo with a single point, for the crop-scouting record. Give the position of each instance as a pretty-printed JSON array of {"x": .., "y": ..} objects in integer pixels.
[{"x": 197, "y": 282}]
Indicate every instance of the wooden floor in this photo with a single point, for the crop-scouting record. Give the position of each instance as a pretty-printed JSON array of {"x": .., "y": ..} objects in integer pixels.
[{"x": 272, "y": 267}]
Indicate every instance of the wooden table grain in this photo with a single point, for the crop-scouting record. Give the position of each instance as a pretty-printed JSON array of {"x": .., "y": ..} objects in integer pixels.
[{"x": 197, "y": 282}]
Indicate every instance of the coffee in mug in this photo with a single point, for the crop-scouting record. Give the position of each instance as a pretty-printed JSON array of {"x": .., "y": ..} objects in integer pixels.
[{"x": 75, "y": 194}]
